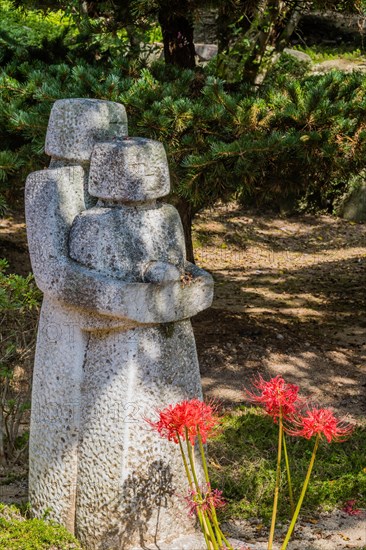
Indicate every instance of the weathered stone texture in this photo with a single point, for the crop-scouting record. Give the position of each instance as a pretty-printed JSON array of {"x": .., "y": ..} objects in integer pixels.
[
  {"x": 75, "y": 126},
  {"x": 120, "y": 241},
  {"x": 55, "y": 422},
  {"x": 353, "y": 206},
  {"x": 131, "y": 479},
  {"x": 53, "y": 200},
  {"x": 130, "y": 170},
  {"x": 114, "y": 339}
]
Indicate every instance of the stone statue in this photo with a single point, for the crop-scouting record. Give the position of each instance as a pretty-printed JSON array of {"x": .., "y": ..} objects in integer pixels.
[{"x": 114, "y": 339}]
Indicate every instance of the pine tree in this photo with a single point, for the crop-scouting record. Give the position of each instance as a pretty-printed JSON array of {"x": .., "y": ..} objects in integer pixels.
[
  {"x": 297, "y": 136},
  {"x": 285, "y": 138}
]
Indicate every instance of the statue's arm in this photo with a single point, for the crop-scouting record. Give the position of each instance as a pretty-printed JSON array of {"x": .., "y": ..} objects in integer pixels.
[{"x": 53, "y": 199}]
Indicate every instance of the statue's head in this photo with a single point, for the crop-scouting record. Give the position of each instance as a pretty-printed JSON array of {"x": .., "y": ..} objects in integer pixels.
[
  {"x": 129, "y": 170},
  {"x": 76, "y": 125}
]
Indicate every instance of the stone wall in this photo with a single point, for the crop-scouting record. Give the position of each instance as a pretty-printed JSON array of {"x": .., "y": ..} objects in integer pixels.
[{"x": 328, "y": 27}]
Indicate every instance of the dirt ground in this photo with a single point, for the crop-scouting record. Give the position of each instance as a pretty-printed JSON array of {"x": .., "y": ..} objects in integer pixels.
[{"x": 289, "y": 299}]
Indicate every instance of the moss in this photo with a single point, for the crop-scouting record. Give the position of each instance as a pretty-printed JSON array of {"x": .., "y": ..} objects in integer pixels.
[
  {"x": 167, "y": 329},
  {"x": 17, "y": 532}
]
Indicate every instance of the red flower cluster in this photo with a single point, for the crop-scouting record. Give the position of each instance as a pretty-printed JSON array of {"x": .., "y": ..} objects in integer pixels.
[
  {"x": 209, "y": 498},
  {"x": 276, "y": 395},
  {"x": 193, "y": 416},
  {"x": 320, "y": 422},
  {"x": 349, "y": 508}
]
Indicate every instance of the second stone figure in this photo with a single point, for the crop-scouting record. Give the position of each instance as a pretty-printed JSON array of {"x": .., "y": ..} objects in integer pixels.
[{"x": 130, "y": 371}]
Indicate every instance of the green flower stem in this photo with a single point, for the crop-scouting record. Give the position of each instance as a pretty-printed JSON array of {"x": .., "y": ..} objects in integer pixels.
[
  {"x": 188, "y": 473},
  {"x": 205, "y": 520},
  {"x": 191, "y": 462},
  {"x": 216, "y": 525},
  {"x": 218, "y": 531},
  {"x": 304, "y": 488},
  {"x": 204, "y": 462},
  {"x": 191, "y": 484},
  {"x": 291, "y": 495},
  {"x": 277, "y": 487},
  {"x": 204, "y": 529},
  {"x": 190, "y": 481},
  {"x": 227, "y": 543},
  {"x": 208, "y": 526}
]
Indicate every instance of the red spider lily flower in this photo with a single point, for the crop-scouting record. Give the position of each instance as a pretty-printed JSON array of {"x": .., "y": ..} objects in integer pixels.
[
  {"x": 195, "y": 416},
  {"x": 349, "y": 508},
  {"x": 276, "y": 395},
  {"x": 206, "y": 501},
  {"x": 320, "y": 422}
]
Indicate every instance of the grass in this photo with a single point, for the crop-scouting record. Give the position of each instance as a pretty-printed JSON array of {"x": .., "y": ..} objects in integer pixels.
[
  {"x": 319, "y": 53},
  {"x": 243, "y": 465},
  {"x": 32, "y": 534}
]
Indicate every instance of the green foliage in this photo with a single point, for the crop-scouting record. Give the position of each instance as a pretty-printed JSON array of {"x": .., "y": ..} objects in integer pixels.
[
  {"x": 298, "y": 137},
  {"x": 294, "y": 137},
  {"x": 256, "y": 34},
  {"x": 29, "y": 27},
  {"x": 10, "y": 162},
  {"x": 19, "y": 304},
  {"x": 3, "y": 206},
  {"x": 17, "y": 293},
  {"x": 319, "y": 53},
  {"x": 32, "y": 534},
  {"x": 32, "y": 34},
  {"x": 243, "y": 464},
  {"x": 288, "y": 66}
]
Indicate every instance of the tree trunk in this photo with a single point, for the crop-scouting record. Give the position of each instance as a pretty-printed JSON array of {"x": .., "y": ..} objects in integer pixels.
[
  {"x": 273, "y": 28},
  {"x": 177, "y": 31},
  {"x": 134, "y": 41},
  {"x": 226, "y": 19},
  {"x": 223, "y": 30},
  {"x": 262, "y": 36},
  {"x": 187, "y": 214},
  {"x": 2, "y": 437},
  {"x": 288, "y": 31}
]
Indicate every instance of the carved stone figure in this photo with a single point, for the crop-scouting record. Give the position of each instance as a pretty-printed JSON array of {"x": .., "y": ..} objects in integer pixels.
[{"x": 114, "y": 339}]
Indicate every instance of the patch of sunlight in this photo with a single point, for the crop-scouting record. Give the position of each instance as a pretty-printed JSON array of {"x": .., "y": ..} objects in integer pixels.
[
  {"x": 287, "y": 259},
  {"x": 305, "y": 312},
  {"x": 342, "y": 380},
  {"x": 301, "y": 299}
]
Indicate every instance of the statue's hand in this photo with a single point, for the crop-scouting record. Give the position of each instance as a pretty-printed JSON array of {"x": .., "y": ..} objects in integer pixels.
[{"x": 160, "y": 272}]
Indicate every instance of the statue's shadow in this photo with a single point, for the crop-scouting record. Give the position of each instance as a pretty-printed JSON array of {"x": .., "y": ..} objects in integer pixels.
[{"x": 139, "y": 504}]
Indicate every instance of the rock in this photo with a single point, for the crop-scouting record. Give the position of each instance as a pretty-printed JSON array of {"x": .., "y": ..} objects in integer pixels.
[
  {"x": 300, "y": 56},
  {"x": 189, "y": 542},
  {"x": 344, "y": 65},
  {"x": 331, "y": 27},
  {"x": 152, "y": 52},
  {"x": 205, "y": 25},
  {"x": 206, "y": 52},
  {"x": 143, "y": 164},
  {"x": 161, "y": 272},
  {"x": 353, "y": 206}
]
